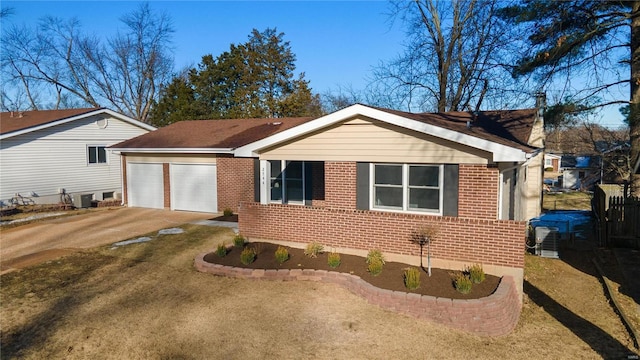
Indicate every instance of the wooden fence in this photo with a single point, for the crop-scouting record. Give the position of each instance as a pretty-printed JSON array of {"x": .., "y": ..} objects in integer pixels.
[{"x": 623, "y": 221}]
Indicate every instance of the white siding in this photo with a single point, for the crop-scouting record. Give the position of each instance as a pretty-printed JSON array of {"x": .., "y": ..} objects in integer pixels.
[{"x": 45, "y": 160}]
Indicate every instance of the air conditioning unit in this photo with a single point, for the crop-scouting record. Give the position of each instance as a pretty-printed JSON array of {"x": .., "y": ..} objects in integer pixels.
[
  {"x": 82, "y": 200},
  {"x": 547, "y": 239}
]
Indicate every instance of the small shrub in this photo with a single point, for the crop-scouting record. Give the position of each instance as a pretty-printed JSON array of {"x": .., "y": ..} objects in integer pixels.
[
  {"x": 221, "y": 250},
  {"x": 239, "y": 240},
  {"x": 374, "y": 266},
  {"x": 282, "y": 254},
  {"x": 375, "y": 254},
  {"x": 333, "y": 259},
  {"x": 476, "y": 273},
  {"x": 462, "y": 283},
  {"x": 313, "y": 249},
  {"x": 227, "y": 212},
  {"x": 412, "y": 278},
  {"x": 247, "y": 256}
]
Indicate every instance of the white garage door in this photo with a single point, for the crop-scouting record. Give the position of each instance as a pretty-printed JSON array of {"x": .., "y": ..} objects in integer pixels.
[
  {"x": 193, "y": 187},
  {"x": 145, "y": 187}
]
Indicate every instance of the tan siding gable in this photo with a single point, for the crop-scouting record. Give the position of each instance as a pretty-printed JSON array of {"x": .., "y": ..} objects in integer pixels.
[{"x": 363, "y": 139}]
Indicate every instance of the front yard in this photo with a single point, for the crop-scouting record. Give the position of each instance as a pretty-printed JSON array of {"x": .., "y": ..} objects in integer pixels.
[{"x": 146, "y": 300}]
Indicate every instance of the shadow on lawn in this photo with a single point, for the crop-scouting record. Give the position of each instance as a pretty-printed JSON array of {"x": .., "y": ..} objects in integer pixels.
[
  {"x": 601, "y": 342},
  {"x": 76, "y": 268}
]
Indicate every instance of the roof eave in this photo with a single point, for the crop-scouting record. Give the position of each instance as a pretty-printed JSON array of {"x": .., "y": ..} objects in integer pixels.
[
  {"x": 77, "y": 117},
  {"x": 501, "y": 153},
  {"x": 174, "y": 150}
]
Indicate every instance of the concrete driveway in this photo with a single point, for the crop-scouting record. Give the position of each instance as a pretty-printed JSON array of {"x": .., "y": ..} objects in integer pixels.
[{"x": 47, "y": 239}]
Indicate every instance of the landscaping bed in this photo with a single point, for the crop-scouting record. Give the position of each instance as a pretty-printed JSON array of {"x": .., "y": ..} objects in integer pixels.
[{"x": 440, "y": 284}]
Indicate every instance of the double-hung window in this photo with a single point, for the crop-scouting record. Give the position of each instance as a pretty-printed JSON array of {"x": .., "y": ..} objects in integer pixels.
[
  {"x": 286, "y": 182},
  {"x": 97, "y": 154},
  {"x": 406, "y": 187}
]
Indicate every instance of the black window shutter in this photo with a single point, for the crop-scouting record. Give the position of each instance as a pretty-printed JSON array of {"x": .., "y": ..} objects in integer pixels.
[
  {"x": 308, "y": 183},
  {"x": 450, "y": 193},
  {"x": 256, "y": 180},
  {"x": 362, "y": 186}
]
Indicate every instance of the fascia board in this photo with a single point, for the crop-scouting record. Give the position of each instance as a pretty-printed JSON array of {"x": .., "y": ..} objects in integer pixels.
[
  {"x": 78, "y": 117},
  {"x": 174, "y": 150},
  {"x": 130, "y": 120},
  {"x": 500, "y": 152}
]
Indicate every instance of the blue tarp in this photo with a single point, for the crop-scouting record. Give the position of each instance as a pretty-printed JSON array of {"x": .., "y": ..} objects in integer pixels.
[{"x": 568, "y": 222}]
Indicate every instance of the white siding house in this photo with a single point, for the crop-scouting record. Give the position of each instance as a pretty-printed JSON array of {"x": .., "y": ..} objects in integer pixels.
[{"x": 43, "y": 152}]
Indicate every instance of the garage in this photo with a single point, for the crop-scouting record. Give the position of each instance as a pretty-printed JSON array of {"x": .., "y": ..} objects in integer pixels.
[
  {"x": 145, "y": 185},
  {"x": 194, "y": 187}
]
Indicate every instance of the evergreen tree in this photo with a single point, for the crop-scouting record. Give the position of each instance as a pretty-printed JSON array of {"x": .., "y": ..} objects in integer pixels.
[
  {"x": 176, "y": 103},
  {"x": 596, "y": 39},
  {"x": 250, "y": 80}
]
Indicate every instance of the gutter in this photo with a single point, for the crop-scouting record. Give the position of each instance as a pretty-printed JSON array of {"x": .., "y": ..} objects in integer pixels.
[{"x": 173, "y": 150}]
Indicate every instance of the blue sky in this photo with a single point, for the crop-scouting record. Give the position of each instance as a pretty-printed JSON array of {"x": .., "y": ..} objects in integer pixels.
[{"x": 337, "y": 43}]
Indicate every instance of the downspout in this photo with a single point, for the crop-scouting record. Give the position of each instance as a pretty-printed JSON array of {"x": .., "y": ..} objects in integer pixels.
[{"x": 541, "y": 106}]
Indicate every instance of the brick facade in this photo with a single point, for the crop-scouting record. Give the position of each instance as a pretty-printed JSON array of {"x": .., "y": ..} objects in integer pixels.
[
  {"x": 340, "y": 185},
  {"x": 478, "y": 191},
  {"x": 337, "y": 222},
  {"x": 166, "y": 178},
  {"x": 235, "y": 182}
]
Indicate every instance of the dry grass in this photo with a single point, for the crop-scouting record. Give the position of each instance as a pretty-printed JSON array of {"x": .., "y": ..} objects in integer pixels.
[
  {"x": 147, "y": 301},
  {"x": 27, "y": 216},
  {"x": 574, "y": 200}
]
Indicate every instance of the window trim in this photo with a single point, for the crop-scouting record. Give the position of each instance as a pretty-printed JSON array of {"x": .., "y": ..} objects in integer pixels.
[
  {"x": 97, "y": 163},
  {"x": 284, "y": 199},
  {"x": 405, "y": 190},
  {"x": 548, "y": 162}
]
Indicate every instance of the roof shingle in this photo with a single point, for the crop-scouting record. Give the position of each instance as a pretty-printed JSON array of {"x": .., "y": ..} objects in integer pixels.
[
  {"x": 506, "y": 127},
  {"x": 20, "y": 120},
  {"x": 212, "y": 134}
]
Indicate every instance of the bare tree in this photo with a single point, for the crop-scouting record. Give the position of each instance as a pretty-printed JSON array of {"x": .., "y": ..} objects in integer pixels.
[
  {"x": 5, "y": 12},
  {"x": 124, "y": 72},
  {"x": 453, "y": 60}
]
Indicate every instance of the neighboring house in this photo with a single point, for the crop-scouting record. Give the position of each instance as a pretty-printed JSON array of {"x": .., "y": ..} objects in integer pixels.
[
  {"x": 552, "y": 162},
  {"x": 43, "y": 152},
  {"x": 359, "y": 178},
  {"x": 580, "y": 171}
]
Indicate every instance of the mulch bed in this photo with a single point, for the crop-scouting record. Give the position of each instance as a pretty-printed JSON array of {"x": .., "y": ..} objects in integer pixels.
[
  {"x": 440, "y": 283},
  {"x": 231, "y": 218}
]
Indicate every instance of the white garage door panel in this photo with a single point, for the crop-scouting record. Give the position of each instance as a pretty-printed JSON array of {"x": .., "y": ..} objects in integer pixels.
[
  {"x": 145, "y": 187},
  {"x": 193, "y": 187}
]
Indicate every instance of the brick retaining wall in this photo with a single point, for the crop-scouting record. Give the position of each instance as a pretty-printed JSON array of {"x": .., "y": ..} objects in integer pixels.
[{"x": 495, "y": 315}]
